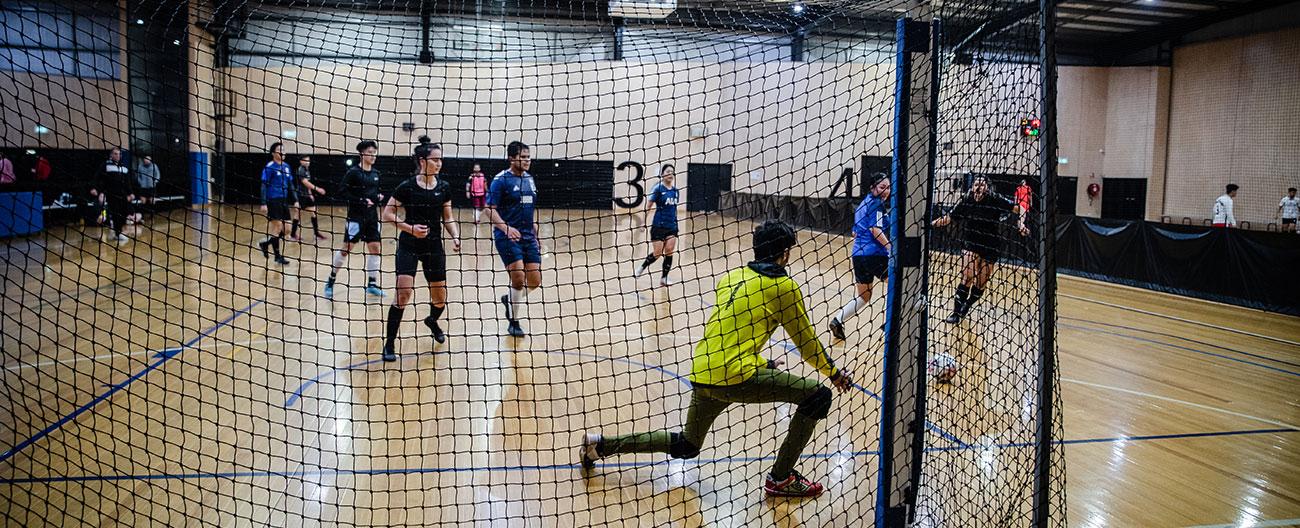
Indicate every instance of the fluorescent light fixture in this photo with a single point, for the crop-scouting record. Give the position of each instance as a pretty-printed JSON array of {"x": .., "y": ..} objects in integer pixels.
[
  {"x": 289, "y": 134},
  {"x": 349, "y": 162},
  {"x": 1063, "y": 161},
  {"x": 31, "y": 152},
  {"x": 40, "y": 129},
  {"x": 139, "y": 21},
  {"x": 797, "y": 8}
]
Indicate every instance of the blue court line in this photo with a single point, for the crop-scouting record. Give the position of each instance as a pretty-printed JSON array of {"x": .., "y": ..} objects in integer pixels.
[
  {"x": 161, "y": 357},
  {"x": 1180, "y": 347},
  {"x": 1189, "y": 340},
  {"x": 618, "y": 465},
  {"x": 298, "y": 394}
]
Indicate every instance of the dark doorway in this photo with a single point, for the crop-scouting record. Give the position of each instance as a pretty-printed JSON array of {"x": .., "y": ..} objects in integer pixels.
[
  {"x": 1067, "y": 194},
  {"x": 705, "y": 183},
  {"x": 1124, "y": 198},
  {"x": 872, "y": 165}
]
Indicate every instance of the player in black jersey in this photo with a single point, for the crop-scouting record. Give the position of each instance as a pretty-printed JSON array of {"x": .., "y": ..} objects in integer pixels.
[
  {"x": 425, "y": 199},
  {"x": 361, "y": 190},
  {"x": 980, "y": 212},
  {"x": 306, "y": 194}
]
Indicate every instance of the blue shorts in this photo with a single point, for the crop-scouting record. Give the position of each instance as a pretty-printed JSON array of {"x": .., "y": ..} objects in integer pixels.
[{"x": 525, "y": 249}]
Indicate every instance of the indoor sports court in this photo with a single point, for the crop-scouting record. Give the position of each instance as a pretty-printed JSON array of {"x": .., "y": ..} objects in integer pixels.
[{"x": 571, "y": 263}]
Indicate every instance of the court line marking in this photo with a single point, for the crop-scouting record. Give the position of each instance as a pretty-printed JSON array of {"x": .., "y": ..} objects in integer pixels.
[
  {"x": 1180, "y": 319},
  {"x": 1183, "y": 402},
  {"x": 162, "y": 356},
  {"x": 1180, "y": 347},
  {"x": 1189, "y": 340},
  {"x": 616, "y": 465},
  {"x": 1254, "y": 524}
]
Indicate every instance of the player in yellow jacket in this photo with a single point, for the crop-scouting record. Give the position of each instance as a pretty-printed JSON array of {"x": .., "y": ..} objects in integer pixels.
[{"x": 751, "y": 303}]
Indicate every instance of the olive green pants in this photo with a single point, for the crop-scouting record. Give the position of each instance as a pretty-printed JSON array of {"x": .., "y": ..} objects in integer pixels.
[{"x": 708, "y": 402}]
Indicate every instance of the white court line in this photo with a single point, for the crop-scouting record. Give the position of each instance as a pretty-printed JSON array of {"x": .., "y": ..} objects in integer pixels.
[
  {"x": 1184, "y": 402},
  {"x": 1253, "y": 524},
  {"x": 1191, "y": 321}
]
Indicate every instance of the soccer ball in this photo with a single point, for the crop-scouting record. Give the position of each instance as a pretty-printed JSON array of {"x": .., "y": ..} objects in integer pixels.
[{"x": 942, "y": 367}]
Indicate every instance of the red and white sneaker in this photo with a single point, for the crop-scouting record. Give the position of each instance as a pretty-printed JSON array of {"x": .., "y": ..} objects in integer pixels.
[{"x": 794, "y": 485}]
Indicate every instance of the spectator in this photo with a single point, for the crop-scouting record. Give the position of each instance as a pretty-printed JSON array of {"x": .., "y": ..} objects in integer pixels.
[
  {"x": 146, "y": 178},
  {"x": 1289, "y": 209},
  {"x": 1223, "y": 207},
  {"x": 6, "y": 170},
  {"x": 115, "y": 189}
]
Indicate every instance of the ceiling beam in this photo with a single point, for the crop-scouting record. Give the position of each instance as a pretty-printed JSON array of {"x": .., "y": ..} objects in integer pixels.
[
  {"x": 1170, "y": 32},
  {"x": 1135, "y": 5}
]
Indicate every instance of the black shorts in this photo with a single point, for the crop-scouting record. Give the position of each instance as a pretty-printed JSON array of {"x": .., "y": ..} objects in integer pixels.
[
  {"x": 1288, "y": 221},
  {"x": 428, "y": 255},
  {"x": 147, "y": 192},
  {"x": 988, "y": 250},
  {"x": 867, "y": 268},
  {"x": 277, "y": 209},
  {"x": 306, "y": 201},
  {"x": 660, "y": 234},
  {"x": 366, "y": 230}
]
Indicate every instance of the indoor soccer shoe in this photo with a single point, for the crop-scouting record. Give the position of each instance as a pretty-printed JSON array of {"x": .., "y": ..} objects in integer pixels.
[
  {"x": 389, "y": 353},
  {"x": 375, "y": 290},
  {"x": 265, "y": 245},
  {"x": 665, "y": 281},
  {"x": 794, "y": 485},
  {"x": 437, "y": 330},
  {"x": 282, "y": 261},
  {"x": 589, "y": 452},
  {"x": 329, "y": 291},
  {"x": 515, "y": 330},
  {"x": 837, "y": 328},
  {"x": 505, "y": 301}
]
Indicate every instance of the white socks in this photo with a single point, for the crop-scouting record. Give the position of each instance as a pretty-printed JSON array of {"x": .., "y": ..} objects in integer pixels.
[
  {"x": 338, "y": 259},
  {"x": 852, "y": 308},
  {"x": 517, "y": 300},
  {"x": 372, "y": 268}
]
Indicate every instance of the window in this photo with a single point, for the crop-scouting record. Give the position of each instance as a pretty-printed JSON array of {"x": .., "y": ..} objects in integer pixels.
[{"x": 53, "y": 39}]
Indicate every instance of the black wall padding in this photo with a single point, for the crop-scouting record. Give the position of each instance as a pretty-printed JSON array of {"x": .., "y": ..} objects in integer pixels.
[{"x": 1254, "y": 269}]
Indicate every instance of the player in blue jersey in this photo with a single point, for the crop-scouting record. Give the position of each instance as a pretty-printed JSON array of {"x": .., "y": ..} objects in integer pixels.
[
  {"x": 663, "y": 231},
  {"x": 277, "y": 184},
  {"x": 510, "y": 202},
  {"x": 870, "y": 249}
]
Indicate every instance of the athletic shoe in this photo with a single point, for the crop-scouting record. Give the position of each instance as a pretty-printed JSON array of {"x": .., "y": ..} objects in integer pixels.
[
  {"x": 375, "y": 290},
  {"x": 320, "y": 236},
  {"x": 665, "y": 281},
  {"x": 121, "y": 239},
  {"x": 794, "y": 485},
  {"x": 515, "y": 330},
  {"x": 389, "y": 353},
  {"x": 505, "y": 300},
  {"x": 589, "y": 452},
  {"x": 437, "y": 331},
  {"x": 295, "y": 238},
  {"x": 329, "y": 291},
  {"x": 640, "y": 270},
  {"x": 282, "y": 261},
  {"x": 837, "y": 328},
  {"x": 264, "y": 245},
  {"x": 953, "y": 318}
]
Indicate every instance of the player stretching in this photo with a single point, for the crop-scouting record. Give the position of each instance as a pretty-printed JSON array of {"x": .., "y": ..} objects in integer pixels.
[
  {"x": 870, "y": 249},
  {"x": 361, "y": 190},
  {"x": 727, "y": 368},
  {"x": 510, "y": 203},
  {"x": 980, "y": 211},
  {"x": 425, "y": 199},
  {"x": 663, "y": 231}
]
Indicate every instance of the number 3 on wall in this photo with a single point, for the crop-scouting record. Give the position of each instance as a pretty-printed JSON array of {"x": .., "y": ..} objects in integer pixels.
[{"x": 635, "y": 182}]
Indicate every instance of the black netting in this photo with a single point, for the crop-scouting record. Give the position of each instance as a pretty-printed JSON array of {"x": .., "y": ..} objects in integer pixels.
[{"x": 173, "y": 356}]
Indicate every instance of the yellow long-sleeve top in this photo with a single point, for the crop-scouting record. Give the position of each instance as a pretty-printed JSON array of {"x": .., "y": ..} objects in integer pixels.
[{"x": 750, "y": 303}]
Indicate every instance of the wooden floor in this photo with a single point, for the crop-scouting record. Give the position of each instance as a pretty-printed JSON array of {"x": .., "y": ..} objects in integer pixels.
[{"x": 179, "y": 380}]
